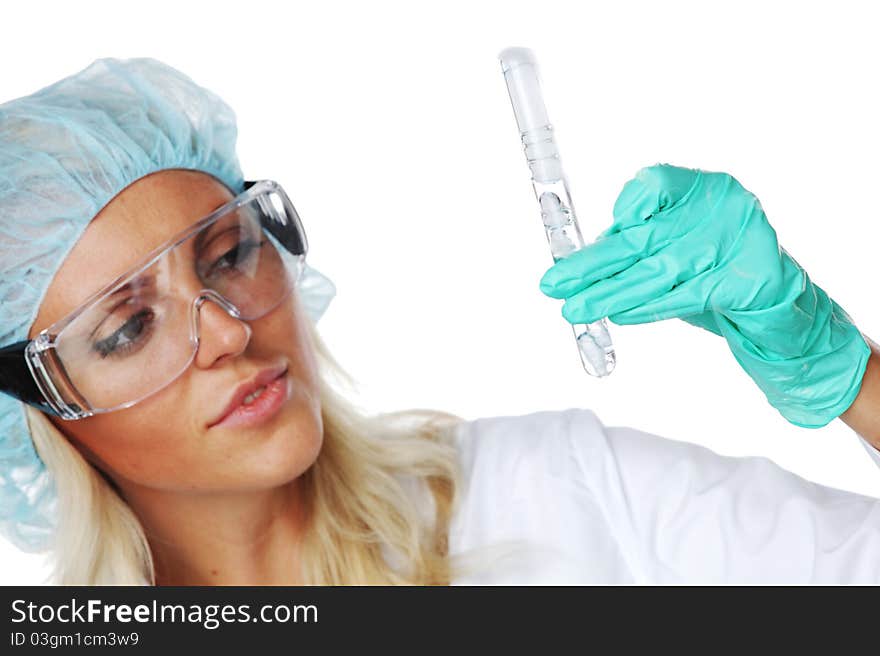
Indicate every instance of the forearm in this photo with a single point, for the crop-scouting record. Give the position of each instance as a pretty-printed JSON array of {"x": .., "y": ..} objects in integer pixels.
[{"x": 863, "y": 416}]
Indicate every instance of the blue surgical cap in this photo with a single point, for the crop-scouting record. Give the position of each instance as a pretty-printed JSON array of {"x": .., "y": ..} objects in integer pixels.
[{"x": 65, "y": 152}]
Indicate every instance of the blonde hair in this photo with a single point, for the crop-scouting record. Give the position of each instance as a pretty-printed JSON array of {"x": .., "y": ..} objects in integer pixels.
[{"x": 360, "y": 510}]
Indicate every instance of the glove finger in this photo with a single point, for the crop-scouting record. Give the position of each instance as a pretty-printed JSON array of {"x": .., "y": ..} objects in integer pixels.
[
  {"x": 706, "y": 320},
  {"x": 652, "y": 190},
  {"x": 684, "y": 300},
  {"x": 640, "y": 284},
  {"x": 595, "y": 261},
  {"x": 691, "y": 234}
]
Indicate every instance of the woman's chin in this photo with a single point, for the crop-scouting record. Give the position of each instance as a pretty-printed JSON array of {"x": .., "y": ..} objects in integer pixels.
[{"x": 284, "y": 455}]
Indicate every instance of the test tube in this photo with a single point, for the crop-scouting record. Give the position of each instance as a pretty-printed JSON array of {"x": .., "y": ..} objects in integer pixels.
[{"x": 551, "y": 189}]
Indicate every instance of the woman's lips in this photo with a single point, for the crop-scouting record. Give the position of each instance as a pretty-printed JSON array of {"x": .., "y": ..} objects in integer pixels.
[{"x": 265, "y": 406}]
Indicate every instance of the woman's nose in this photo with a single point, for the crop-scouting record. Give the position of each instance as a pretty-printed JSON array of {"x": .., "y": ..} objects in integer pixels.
[{"x": 220, "y": 332}]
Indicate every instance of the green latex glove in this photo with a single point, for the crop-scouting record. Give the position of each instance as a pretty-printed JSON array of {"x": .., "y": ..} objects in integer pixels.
[{"x": 696, "y": 245}]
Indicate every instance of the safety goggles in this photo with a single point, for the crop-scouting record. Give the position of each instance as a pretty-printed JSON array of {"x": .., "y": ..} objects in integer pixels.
[{"x": 137, "y": 335}]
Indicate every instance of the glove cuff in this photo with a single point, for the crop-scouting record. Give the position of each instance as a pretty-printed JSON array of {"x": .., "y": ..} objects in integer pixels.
[{"x": 818, "y": 385}]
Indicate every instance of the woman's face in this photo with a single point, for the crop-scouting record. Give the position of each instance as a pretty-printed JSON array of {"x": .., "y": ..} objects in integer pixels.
[{"x": 165, "y": 442}]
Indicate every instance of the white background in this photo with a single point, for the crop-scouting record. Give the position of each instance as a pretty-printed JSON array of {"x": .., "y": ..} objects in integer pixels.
[{"x": 390, "y": 126}]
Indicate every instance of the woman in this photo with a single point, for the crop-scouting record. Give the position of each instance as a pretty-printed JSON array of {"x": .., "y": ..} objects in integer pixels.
[{"x": 170, "y": 415}]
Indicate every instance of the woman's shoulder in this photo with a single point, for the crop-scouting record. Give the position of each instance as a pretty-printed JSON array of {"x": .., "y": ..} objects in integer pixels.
[
  {"x": 541, "y": 436},
  {"x": 523, "y": 481},
  {"x": 528, "y": 458}
]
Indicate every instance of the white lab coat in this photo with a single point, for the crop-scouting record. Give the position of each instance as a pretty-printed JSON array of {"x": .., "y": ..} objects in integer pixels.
[{"x": 603, "y": 504}]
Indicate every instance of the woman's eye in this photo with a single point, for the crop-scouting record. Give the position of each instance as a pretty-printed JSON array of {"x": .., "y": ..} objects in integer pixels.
[
  {"x": 129, "y": 337},
  {"x": 234, "y": 256}
]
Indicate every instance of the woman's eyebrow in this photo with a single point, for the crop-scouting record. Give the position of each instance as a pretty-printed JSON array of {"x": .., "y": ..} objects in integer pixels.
[
  {"x": 198, "y": 242},
  {"x": 233, "y": 220},
  {"x": 144, "y": 280}
]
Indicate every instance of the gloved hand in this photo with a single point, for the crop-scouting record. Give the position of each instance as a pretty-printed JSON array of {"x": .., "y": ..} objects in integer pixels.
[{"x": 696, "y": 245}]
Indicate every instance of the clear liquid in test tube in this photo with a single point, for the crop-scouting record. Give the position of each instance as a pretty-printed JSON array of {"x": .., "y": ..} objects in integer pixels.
[{"x": 551, "y": 189}]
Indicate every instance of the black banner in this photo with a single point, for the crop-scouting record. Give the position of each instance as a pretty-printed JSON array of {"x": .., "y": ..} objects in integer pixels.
[{"x": 150, "y": 619}]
